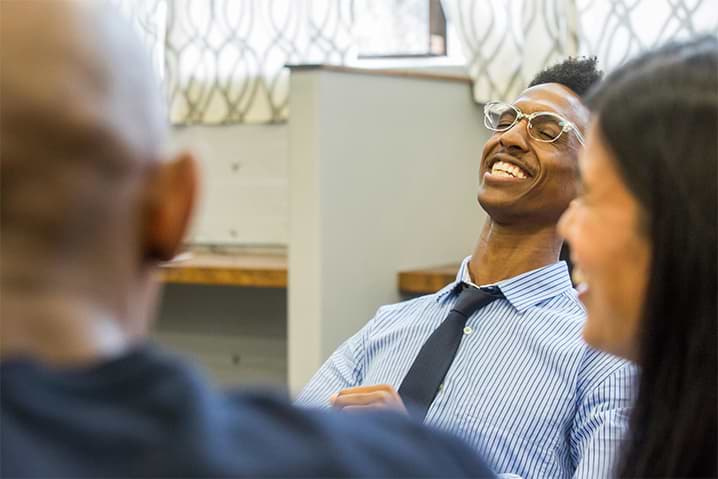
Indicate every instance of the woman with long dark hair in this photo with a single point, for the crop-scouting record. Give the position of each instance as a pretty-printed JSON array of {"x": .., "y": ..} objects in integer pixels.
[{"x": 643, "y": 241}]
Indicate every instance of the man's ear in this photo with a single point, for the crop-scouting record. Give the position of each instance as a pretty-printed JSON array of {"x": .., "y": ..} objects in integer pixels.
[{"x": 172, "y": 194}]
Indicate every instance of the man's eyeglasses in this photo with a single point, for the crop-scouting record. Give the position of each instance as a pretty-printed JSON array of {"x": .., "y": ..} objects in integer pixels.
[{"x": 542, "y": 126}]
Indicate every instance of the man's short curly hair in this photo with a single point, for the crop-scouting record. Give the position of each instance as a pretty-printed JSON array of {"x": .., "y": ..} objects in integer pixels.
[{"x": 577, "y": 74}]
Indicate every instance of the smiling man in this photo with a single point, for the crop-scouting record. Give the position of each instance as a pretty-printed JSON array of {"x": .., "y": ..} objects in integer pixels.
[{"x": 497, "y": 355}]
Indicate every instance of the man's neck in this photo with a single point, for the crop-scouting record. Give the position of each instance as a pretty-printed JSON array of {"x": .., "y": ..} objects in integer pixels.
[
  {"x": 504, "y": 252},
  {"x": 66, "y": 317},
  {"x": 59, "y": 330}
]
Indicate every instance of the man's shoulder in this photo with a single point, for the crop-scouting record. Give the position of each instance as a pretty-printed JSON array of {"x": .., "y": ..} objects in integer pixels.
[
  {"x": 375, "y": 444},
  {"x": 194, "y": 428},
  {"x": 419, "y": 302},
  {"x": 564, "y": 304},
  {"x": 599, "y": 368},
  {"x": 408, "y": 310},
  {"x": 290, "y": 440}
]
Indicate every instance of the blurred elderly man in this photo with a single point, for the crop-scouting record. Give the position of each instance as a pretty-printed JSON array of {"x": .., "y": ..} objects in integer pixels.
[{"x": 90, "y": 204}]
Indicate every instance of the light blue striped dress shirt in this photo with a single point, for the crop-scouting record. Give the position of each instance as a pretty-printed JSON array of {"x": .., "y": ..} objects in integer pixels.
[{"x": 524, "y": 389}]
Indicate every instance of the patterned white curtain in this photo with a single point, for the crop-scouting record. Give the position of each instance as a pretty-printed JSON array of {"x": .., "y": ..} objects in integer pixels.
[
  {"x": 223, "y": 61},
  {"x": 507, "y": 42},
  {"x": 226, "y": 59},
  {"x": 616, "y": 30}
]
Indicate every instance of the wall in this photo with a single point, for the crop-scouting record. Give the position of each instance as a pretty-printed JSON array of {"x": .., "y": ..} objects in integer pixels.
[
  {"x": 238, "y": 334},
  {"x": 383, "y": 176},
  {"x": 244, "y": 197}
]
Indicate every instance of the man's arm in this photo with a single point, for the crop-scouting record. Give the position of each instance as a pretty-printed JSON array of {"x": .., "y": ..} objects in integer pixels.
[
  {"x": 342, "y": 370},
  {"x": 601, "y": 423},
  {"x": 337, "y": 383}
]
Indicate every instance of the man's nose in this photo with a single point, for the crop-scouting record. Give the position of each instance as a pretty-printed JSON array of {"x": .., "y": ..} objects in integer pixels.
[{"x": 515, "y": 138}]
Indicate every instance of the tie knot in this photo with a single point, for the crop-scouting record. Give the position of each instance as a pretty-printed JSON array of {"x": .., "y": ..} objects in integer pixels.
[{"x": 471, "y": 299}]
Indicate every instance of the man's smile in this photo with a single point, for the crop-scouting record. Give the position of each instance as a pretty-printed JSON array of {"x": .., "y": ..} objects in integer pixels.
[
  {"x": 504, "y": 169},
  {"x": 501, "y": 167}
]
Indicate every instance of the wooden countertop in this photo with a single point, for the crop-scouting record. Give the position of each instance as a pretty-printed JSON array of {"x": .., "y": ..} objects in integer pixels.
[
  {"x": 427, "y": 280},
  {"x": 260, "y": 269}
]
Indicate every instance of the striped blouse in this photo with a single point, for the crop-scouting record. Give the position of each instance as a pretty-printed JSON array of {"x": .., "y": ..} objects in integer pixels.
[{"x": 524, "y": 389}]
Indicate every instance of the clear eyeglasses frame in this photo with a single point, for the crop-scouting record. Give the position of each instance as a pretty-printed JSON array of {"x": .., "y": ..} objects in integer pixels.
[{"x": 543, "y": 126}]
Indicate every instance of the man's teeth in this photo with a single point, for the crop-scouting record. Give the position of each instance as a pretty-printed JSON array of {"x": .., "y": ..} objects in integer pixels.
[{"x": 501, "y": 168}]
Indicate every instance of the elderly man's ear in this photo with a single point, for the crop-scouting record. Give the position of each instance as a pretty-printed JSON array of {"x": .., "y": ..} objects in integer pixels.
[{"x": 172, "y": 191}]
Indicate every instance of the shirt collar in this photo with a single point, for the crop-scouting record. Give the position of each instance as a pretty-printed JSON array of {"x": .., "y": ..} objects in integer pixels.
[{"x": 522, "y": 291}]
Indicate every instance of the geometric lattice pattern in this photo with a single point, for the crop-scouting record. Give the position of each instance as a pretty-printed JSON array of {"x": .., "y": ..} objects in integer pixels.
[
  {"x": 507, "y": 42},
  {"x": 225, "y": 58},
  {"x": 616, "y": 30},
  {"x": 223, "y": 61}
]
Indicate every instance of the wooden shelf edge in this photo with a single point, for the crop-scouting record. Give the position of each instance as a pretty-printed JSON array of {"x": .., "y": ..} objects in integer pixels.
[
  {"x": 225, "y": 277},
  {"x": 246, "y": 268},
  {"x": 428, "y": 280}
]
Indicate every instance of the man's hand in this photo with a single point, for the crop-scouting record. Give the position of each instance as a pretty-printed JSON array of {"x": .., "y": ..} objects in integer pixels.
[{"x": 380, "y": 396}]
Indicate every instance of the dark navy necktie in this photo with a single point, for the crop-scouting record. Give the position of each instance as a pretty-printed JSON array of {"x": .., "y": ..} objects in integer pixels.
[{"x": 426, "y": 374}]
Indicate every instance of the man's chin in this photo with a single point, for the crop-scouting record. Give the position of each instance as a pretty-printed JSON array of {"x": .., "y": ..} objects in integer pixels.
[
  {"x": 497, "y": 210},
  {"x": 501, "y": 207},
  {"x": 496, "y": 199}
]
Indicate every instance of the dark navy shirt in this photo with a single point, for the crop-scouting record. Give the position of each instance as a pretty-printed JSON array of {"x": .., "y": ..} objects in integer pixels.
[{"x": 148, "y": 414}]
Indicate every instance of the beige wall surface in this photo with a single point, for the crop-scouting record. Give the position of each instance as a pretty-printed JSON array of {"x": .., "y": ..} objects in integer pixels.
[{"x": 382, "y": 177}]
